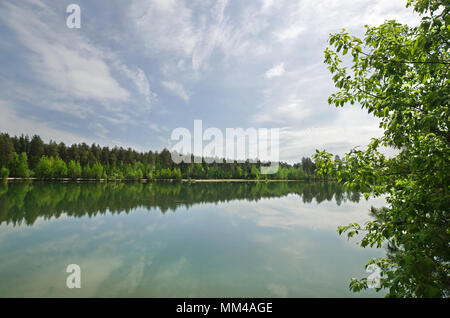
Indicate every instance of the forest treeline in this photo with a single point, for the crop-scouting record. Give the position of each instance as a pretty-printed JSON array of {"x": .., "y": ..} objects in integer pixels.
[
  {"x": 24, "y": 157},
  {"x": 25, "y": 202}
]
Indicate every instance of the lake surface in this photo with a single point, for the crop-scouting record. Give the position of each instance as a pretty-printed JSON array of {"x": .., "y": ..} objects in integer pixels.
[{"x": 181, "y": 240}]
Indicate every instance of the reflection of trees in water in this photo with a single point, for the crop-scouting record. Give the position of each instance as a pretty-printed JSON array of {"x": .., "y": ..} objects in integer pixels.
[{"x": 25, "y": 202}]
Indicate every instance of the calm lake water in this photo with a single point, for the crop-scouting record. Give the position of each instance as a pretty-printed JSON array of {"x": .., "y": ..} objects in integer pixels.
[{"x": 181, "y": 240}]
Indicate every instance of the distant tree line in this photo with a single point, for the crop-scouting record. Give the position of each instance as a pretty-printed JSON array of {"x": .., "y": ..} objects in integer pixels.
[{"x": 22, "y": 157}]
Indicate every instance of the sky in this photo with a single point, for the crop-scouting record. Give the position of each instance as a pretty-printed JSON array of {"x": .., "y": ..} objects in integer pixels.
[{"x": 136, "y": 70}]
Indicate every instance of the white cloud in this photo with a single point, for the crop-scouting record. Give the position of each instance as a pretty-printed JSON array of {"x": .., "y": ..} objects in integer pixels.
[
  {"x": 164, "y": 25},
  {"x": 140, "y": 80},
  {"x": 275, "y": 71},
  {"x": 76, "y": 70},
  {"x": 293, "y": 111},
  {"x": 232, "y": 35},
  {"x": 291, "y": 32},
  {"x": 266, "y": 5},
  {"x": 333, "y": 15},
  {"x": 69, "y": 74},
  {"x": 171, "y": 27},
  {"x": 98, "y": 129},
  {"x": 154, "y": 127},
  {"x": 352, "y": 127},
  {"x": 176, "y": 89},
  {"x": 158, "y": 128},
  {"x": 16, "y": 124}
]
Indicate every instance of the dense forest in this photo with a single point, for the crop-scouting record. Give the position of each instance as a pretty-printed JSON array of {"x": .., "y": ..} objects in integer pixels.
[{"x": 22, "y": 157}]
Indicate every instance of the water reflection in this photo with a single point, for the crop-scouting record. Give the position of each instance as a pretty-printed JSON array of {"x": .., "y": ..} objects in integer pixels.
[
  {"x": 23, "y": 203},
  {"x": 225, "y": 239}
]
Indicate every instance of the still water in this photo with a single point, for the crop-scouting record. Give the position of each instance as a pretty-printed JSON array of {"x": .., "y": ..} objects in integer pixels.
[{"x": 181, "y": 240}]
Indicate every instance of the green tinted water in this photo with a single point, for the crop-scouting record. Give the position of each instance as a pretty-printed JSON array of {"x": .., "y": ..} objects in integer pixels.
[{"x": 180, "y": 240}]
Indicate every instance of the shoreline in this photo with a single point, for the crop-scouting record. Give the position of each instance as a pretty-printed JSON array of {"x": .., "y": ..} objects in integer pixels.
[{"x": 156, "y": 180}]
